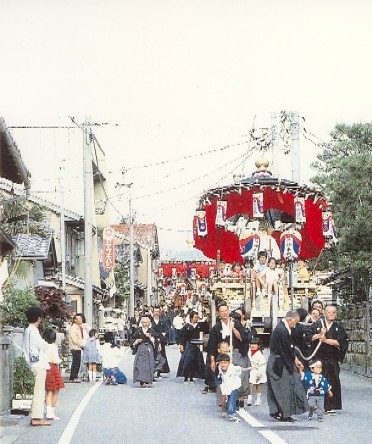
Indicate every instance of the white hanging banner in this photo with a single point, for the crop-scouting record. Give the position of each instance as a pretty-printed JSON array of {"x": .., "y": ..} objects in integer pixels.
[
  {"x": 290, "y": 244},
  {"x": 201, "y": 224},
  {"x": 258, "y": 205},
  {"x": 299, "y": 203},
  {"x": 221, "y": 213},
  {"x": 329, "y": 228}
]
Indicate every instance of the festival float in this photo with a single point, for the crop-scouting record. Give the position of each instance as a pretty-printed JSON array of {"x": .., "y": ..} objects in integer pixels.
[
  {"x": 288, "y": 221},
  {"x": 185, "y": 283}
]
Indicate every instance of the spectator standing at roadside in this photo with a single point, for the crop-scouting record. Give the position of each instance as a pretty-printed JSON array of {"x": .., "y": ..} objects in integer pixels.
[
  {"x": 34, "y": 348},
  {"x": 91, "y": 356},
  {"x": 76, "y": 347},
  {"x": 54, "y": 381}
]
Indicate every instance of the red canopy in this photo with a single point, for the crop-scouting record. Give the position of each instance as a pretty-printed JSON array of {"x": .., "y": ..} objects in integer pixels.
[{"x": 240, "y": 201}]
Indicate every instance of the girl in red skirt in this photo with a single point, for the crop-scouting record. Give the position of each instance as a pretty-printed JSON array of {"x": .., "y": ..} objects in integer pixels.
[{"x": 53, "y": 381}]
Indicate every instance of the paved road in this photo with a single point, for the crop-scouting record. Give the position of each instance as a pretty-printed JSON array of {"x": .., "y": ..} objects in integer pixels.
[{"x": 173, "y": 412}]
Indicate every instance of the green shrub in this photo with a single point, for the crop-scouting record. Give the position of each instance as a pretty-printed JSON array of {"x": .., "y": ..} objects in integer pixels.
[
  {"x": 14, "y": 306},
  {"x": 23, "y": 379}
]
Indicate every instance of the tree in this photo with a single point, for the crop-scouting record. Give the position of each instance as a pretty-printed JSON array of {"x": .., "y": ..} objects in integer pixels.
[
  {"x": 23, "y": 217},
  {"x": 345, "y": 169},
  {"x": 16, "y": 302},
  {"x": 53, "y": 304}
]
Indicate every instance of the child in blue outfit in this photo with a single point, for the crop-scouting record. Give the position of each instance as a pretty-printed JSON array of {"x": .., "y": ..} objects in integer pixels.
[{"x": 317, "y": 388}]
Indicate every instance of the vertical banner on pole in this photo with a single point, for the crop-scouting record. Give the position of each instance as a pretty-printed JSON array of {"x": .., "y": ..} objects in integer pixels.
[{"x": 108, "y": 250}]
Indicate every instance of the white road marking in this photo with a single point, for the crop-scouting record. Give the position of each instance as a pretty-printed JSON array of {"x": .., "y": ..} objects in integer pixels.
[
  {"x": 253, "y": 422},
  {"x": 75, "y": 418},
  {"x": 272, "y": 437}
]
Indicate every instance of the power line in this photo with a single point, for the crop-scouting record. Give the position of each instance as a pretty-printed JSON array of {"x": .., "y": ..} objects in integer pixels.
[
  {"x": 192, "y": 181},
  {"x": 204, "y": 153}
]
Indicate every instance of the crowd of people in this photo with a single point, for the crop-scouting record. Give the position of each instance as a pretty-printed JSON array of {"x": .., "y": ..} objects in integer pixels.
[{"x": 301, "y": 372}]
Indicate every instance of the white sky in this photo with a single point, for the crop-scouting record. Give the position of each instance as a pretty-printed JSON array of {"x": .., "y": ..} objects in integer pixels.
[{"x": 178, "y": 77}]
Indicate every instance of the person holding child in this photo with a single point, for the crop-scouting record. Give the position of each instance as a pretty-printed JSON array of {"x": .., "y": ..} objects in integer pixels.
[
  {"x": 257, "y": 374},
  {"x": 317, "y": 387},
  {"x": 229, "y": 380},
  {"x": 53, "y": 381},
  {"x": 91, "y": 356}
]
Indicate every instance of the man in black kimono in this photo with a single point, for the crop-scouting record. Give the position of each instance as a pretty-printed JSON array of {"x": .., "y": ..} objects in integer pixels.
[
  {"x": 161, "y": 329},
  {"x": 191, "y": 364},
  {"x": 134, "y": 322},
  {"x": 286, "y": 395},
  {"x": 334, "y": 344},
  {"x": 145, "y": 344}
]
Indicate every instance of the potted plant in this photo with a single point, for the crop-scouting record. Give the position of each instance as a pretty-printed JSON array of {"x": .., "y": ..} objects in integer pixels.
[{"x": 23, "y": 385}]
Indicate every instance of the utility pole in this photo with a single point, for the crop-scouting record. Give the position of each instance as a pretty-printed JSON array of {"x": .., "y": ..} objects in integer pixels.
[
  {"x": 149, "y": 277},
  {"x": 88, "y": 177},
  {"x": 131, "y": 258},
  {"x": 295, "y": 151},
  {"x": 131, "y": 247},
  {"x": 63, "y": 233},
  {"x": 274, "y": 146}
]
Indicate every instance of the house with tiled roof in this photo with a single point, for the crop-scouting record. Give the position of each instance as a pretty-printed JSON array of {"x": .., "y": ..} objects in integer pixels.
[
  {"x": 14, "y": 171},
  {"x": 12, "y": 166},
  {"x": 41, "y": 252}
]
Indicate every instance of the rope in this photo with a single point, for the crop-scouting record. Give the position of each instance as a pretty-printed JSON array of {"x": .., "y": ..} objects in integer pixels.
[{"x": 309, "y": 358}]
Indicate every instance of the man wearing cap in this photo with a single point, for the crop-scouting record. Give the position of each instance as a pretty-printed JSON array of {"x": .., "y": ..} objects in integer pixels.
[{"x": 286, "y": 395}]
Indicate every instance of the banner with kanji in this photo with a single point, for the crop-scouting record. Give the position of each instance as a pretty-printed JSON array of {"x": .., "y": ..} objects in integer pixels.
[
  {"x": 108, "y": 249},
  {"x": 221, "y": 213},
  {"x": 300, "y": 214},
  {"x": 201, "y": 223}
]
